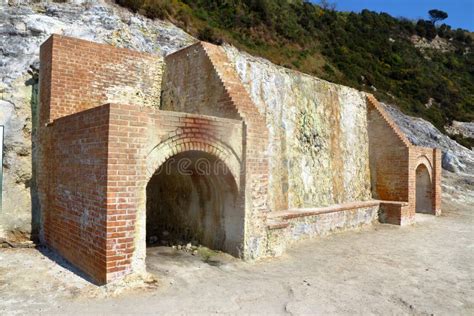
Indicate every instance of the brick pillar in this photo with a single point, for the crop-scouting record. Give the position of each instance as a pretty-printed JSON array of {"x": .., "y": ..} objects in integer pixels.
[
  {"x": 413, "y": 158},
  {"x": 436, "y": 191},
  {"x": 126, "y": 195}
]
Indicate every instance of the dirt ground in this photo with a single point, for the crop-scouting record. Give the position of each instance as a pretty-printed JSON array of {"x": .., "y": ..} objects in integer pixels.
[{"x": 427, "y": 268}]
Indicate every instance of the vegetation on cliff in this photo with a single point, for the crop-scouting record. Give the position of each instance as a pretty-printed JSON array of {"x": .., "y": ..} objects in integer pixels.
[{"x": 369, "y": 51}]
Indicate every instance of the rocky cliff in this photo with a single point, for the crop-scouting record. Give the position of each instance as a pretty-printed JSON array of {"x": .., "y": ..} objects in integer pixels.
[
  {"x": 290, "y": 101},
  {"x": 456, "y": 158}
]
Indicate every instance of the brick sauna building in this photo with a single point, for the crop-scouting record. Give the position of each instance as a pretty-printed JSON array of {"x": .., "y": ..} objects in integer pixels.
[{"x": 115, "y": 123}]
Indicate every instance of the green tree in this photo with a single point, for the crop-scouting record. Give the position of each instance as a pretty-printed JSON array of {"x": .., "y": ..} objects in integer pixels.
[
  {"x": 437, "y": 15},
  {"x": 327, "y": 5}
]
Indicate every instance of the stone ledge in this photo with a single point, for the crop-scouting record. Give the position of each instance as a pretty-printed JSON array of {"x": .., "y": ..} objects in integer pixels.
[
  {"x": 278, "y": 220},
  {"x": 310, "y": 224},
  {"x": 272, "y": 224},
  {"x": 303, "y": 212}
]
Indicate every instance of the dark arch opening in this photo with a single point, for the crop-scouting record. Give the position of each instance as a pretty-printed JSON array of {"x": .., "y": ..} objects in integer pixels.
[
  {"x": 424, "y": 202},
  {"x": 193, "y": 197}
]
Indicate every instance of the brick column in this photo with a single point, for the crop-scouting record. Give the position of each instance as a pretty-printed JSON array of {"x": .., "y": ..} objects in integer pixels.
[
  {"x": 437, "y": 154},
  {"x": 126, "y": 194}
]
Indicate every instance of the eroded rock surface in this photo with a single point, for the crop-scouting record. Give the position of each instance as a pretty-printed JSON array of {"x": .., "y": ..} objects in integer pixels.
[
  {"x": 463, "y": 128},
  {"x": 436, "y": 43},
  {"x": 456, "y": 158}
]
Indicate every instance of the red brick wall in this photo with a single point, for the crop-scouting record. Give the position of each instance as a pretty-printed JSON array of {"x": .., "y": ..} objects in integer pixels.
[
  {"x": 388, "y": 155},
  {"x": 84, "y": 75},
  {"x": 192, "y": 85},
  {"x": 73, "y": 181},
  {"x": 397, "y": 213},
  {"x": 179, "y": 132},
  {"x": 393, "y": 163},
  {"x": 96, "y": 165},
  {"x": 76, "y": 76},
  {"x": 437, "y": 156},
  {"x": 125, "y": 183},
  {"x": 431, "y": 158},
  {"x": 45, "y": 82},
  {"x": 140, "y": 140}
]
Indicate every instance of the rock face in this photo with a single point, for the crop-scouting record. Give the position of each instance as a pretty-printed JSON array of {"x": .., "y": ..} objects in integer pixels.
[
  {"x": 437, "y": 43},
  {"x": 464, "y": 128},
  {"x": 24, "y": 26},
  {"x": 456, "y": 158}
]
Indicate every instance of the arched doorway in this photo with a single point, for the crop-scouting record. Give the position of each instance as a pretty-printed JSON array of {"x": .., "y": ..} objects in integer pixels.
[
  {"x": 424, "y": 203},
  {"x": 193, "y": 197}
]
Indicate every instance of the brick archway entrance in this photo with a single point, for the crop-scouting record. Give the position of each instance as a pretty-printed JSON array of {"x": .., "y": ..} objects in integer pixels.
[
  {"x": 100, "y": 148},
  {"x": 193, "y": 197},
  {"x": 424, "y": 202}
]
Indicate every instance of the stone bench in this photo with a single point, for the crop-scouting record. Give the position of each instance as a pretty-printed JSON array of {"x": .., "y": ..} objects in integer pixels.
[{"x": 288, "y": 226}]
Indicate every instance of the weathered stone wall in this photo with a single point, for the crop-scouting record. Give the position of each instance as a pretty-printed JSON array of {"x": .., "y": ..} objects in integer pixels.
[
  {"x": 317, "y": 225},
  {"x": 318, "y": 142},
  {"x": 18, "y": 187}
]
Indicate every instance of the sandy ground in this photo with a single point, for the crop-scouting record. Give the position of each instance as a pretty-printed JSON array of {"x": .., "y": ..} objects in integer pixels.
[{"x": 427, "y": 268}]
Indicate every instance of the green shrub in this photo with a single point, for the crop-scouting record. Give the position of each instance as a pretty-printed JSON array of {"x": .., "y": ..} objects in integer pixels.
[{"x": 207, "y": 34}]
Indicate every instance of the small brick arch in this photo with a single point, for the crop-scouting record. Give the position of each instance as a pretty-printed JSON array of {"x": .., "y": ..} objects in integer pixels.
[
  {"x": 424, "y": 188},
  {"x": 423, "y": 160},
  {"x": 202, "y": 142}
]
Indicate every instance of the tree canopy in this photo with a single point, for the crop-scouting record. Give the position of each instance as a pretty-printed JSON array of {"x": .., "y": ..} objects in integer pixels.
[{"x": 437, "y": 15}]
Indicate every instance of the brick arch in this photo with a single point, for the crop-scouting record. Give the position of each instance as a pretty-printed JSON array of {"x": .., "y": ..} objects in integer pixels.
[
  {"x": 206, "y": 143},
  {"x": 424, "y": 202},
  {"x": 423, "y": 160}
]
